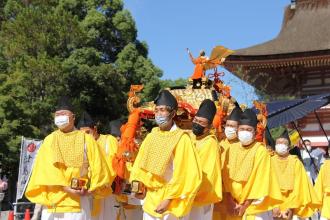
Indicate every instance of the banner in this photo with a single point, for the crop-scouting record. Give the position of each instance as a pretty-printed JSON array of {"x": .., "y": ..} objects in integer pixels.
[{"x": 29, "y": 149}]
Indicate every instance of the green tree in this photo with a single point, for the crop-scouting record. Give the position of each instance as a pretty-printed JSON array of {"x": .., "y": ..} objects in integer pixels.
[
  {"x": 181, "y": 82},
  {"x": 137, "y": 69},
  {"x": 87, "y": 49}
]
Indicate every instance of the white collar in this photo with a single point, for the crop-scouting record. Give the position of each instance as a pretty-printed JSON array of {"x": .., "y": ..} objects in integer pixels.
[{"x": 174, "y": 127}]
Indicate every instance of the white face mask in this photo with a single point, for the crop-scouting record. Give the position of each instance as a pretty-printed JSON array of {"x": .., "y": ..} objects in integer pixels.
[
  {"x": 281, "y": 149},
  {"x": 61, "y": 121},
  {"x": 309, "y": 148},
  {"x": 245, "y": 137},
  {"x": 230, "y": 133}
]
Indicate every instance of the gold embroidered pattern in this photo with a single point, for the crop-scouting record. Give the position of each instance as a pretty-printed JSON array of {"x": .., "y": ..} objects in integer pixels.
[
  {"x": 68, "y": 148},
  {"x": 241, "y": 160},
  {"x": 158, "y": 150},
  {"x": 284, "y": 170}
]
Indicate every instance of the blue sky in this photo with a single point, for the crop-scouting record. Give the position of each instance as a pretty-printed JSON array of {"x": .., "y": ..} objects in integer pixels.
[{"x": 170, "y": 26}]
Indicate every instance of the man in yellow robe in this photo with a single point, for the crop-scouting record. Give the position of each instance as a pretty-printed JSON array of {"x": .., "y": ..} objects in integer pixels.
[
  {"x": 70, "y": 168},
  {"x": 230, "y": 132},
  {"x": 299, "y": 197},
  {"x": 106, "y": 208},
  {"x": 322, "y": 188},
  {"x": 220, "y": 210},
  {"x": 250, "y": 185},
  {"x": 207, "y": 147},
  {"x": 168, "y": 166}
]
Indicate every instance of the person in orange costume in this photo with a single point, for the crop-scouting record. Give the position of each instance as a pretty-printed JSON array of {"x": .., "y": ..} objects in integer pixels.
[{"x": 199, "y": 72}]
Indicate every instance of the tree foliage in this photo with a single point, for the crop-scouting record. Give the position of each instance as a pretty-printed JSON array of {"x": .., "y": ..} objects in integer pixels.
[
  {"x": 87, "y": 49},
  {"x": 167, "y": 83}
]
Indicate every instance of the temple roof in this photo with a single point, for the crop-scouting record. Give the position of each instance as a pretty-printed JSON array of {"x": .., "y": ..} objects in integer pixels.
[
  {"x": 297, "y": 61},
  {"x": 305, "y": 29}
]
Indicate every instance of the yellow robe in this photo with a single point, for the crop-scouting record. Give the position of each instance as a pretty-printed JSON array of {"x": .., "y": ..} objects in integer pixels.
[
  {"x": 322, "y": 188},
  {"x": 109, "y": 146},
  {"x": 211, "y": 188},
  {"x": 224, "y": 146},
  {"x": 47, "y": 179},
  {"x": 220, "y": 209},
  {"x": 302, "y": 197},
  {"x": 181, "y": 188},
  {"x": 261, "y": 186}
]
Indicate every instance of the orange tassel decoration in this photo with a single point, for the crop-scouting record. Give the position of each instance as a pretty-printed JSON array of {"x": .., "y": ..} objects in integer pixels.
[{"x": 262, "y": 118}]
